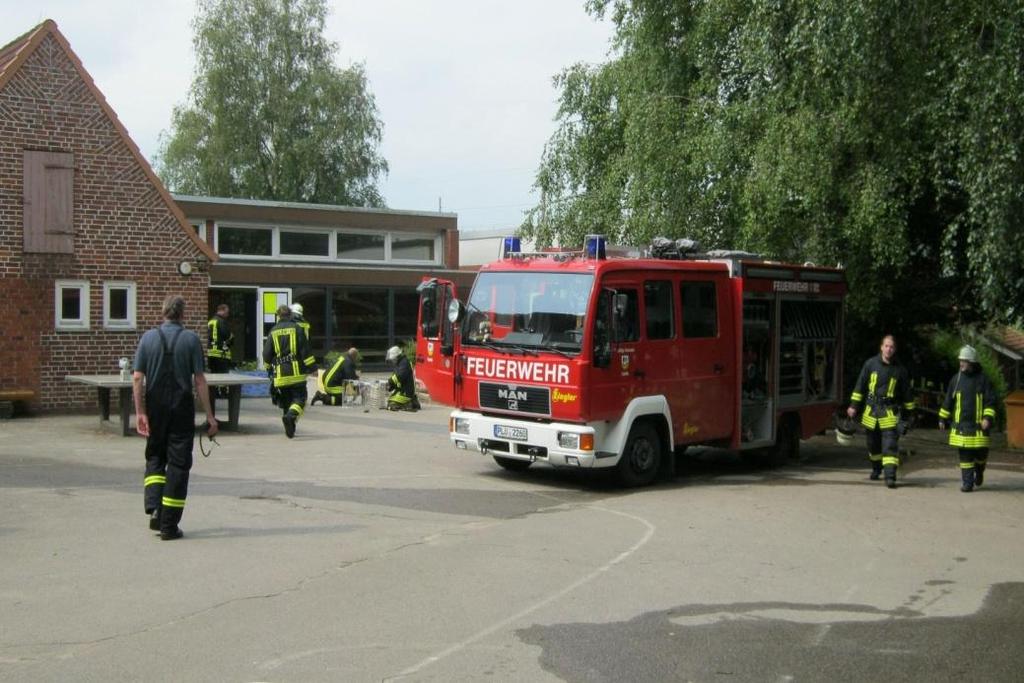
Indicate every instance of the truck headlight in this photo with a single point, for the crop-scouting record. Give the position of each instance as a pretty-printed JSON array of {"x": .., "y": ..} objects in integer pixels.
[
  {"x": 460, "y": 425},
  {"x": 576, "y": 441}
]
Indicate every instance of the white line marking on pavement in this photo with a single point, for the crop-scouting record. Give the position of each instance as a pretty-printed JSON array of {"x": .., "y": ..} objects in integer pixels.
[{"x": 648, "y": 534}]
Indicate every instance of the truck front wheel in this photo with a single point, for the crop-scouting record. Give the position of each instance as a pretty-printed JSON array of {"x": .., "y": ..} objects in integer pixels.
[
  {"x": 511, "y": 464},
  {"x": 641, "y": 458}
]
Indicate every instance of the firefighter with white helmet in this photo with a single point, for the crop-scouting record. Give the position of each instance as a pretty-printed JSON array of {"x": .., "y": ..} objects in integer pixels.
[
  {"x": 401, "y": 383},
  {"x": 299, "y": 319},
  {"x": 968, "y": 412},
  {"x": 883, "y": 391}
]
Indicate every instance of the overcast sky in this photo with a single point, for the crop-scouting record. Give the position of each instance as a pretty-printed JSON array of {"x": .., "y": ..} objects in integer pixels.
[{"x": 464, "y": 87}]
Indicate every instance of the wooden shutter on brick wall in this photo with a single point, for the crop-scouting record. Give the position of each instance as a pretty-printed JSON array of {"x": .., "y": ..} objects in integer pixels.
[{"x": 49, "y": 183}]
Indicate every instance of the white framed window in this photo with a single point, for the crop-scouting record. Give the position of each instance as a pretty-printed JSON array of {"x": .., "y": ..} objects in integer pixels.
[
  {"x": 119, "y": 305},
  {"x": 71, "y": 304},
  {"x": 242, "y": 241},
  {"x": 414, "y": 247},
  {"x": 200, "y": 229},
  {"x": 360, "y": 246}
]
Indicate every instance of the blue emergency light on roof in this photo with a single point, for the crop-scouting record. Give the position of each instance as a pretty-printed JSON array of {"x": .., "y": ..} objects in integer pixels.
[
  {"x": 594, "y": 246},
  {"x": 510, "y": 245}
]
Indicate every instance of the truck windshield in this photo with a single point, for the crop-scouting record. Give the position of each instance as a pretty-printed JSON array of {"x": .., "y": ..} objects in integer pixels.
[{"x": 528, "y": 310}]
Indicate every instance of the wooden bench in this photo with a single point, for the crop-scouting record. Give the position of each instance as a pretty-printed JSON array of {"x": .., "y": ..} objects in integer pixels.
[{"x": 9, "y": 397}]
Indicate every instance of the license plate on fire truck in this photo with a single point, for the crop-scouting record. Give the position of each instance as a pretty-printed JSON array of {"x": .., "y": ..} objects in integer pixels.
[{"x": 508, "y": 432}]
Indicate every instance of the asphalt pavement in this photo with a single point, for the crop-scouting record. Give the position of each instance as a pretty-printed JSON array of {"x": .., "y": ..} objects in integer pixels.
[{"x": 368, "y": 549}]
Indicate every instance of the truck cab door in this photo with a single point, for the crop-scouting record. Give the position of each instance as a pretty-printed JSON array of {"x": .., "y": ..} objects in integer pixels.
[
  {"x": 615, "y": 377},
  {"x": 437, "y": 340},
  {"x": 706, "y": 399}
]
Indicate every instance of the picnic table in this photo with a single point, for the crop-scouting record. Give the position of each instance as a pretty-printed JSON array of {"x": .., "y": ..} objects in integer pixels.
[{"x": 105, "y": 383}]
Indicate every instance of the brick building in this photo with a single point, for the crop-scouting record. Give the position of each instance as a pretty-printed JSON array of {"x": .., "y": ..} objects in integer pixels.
[{"x": 90, "y": 240}]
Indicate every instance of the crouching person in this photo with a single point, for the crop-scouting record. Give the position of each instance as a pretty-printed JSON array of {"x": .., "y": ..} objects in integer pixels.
[
  {"x": 339, "y": 379},
  {"x": 401, "y": 384}
]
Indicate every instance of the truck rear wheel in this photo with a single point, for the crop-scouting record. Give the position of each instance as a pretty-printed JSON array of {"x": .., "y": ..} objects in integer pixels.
[
  {"x": 511, "y": 464},
  {"x": 641, "y": 458}
]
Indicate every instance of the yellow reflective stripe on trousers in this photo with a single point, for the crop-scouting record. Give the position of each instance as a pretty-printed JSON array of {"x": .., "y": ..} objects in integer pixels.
[
  {"x": 967, "y": 465},
  {"x": 155, "y": 479},
  {"x": 888, "y": 460},
  {"x": 172, "y": 502},
  {"x": 297, "y": 408}
]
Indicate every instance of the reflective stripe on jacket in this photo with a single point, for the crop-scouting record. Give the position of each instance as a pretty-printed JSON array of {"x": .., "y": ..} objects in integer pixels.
[
  {"x": 219, "y": 338},
  {"x": 970, "y": 398},
  {"x": 287, "y": 350},
  {"x": 884, "y": 389}
]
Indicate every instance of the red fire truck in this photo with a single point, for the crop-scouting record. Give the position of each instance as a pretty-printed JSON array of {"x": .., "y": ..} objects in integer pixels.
[{"x": 582, "y": 360}]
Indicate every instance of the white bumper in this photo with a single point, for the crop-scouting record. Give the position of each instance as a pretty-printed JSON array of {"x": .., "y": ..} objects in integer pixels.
[{"x": 537, "y": 442}]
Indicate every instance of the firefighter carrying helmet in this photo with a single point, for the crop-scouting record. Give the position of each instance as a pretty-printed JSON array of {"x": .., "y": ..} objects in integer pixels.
[
  {"x": 393, "y": 353},
  {"x": 968, "y": 354},
  {"x": 845, "y": 429}
]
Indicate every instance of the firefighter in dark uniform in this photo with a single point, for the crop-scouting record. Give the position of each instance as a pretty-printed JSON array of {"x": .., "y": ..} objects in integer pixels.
[
  {"x": 401, "y": 383},
  {"x": 168, "y": 358},
  {"x": 968, "y": 411},
  {"x": 883, "y": 390},
  {"x": 219, "y": 339},
  {"x": 286, "y": 352},
  {"x": 338, "y": 379}
]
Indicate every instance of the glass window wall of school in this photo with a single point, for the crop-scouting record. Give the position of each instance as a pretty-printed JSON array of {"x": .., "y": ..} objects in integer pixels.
[
  {"x": 337, "y": 244},
  {"x": 370, "y": 318}
]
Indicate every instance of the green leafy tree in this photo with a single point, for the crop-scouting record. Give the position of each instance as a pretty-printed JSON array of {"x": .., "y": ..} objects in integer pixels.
[
  {"x": 269, "y": 115},
  {"x": 884, "y": 136}
]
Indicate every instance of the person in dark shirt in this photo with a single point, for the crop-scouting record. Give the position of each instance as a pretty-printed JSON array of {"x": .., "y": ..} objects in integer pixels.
[{"x": 169, "y": 357}]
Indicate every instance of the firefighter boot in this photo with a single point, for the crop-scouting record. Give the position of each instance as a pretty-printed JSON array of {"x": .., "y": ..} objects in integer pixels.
[
  {"x": 890, "y": 476},
  {"x": 876, "y": 470},
  {"x": 289, "y": 424},
  {"x": 154, "y": 520},
  {"x": 967, "y": 477},
  {"x": 979, "y": 473}
]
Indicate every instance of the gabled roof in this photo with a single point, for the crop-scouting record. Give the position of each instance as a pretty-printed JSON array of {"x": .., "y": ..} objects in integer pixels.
[
  {"x": 16, "y": 52},
  {"x": 9, "y": 52},
  {"x": 1007, "y": 337}
]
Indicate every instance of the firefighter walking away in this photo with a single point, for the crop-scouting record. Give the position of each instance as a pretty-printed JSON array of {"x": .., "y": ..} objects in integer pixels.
[{"x": 287, "y": 351}]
